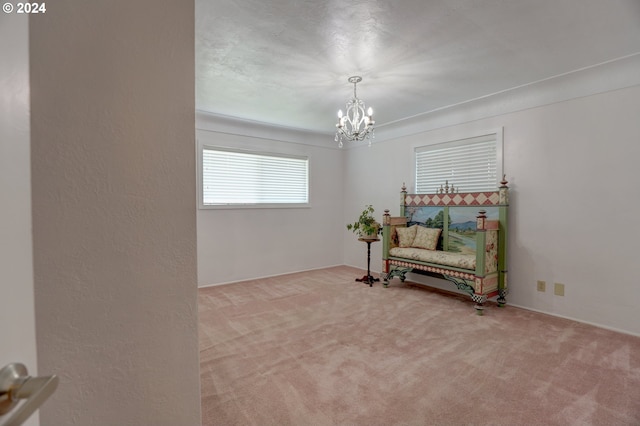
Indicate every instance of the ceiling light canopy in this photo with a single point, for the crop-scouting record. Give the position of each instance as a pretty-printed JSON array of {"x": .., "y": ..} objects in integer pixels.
[{"x": 355, "y": 125}]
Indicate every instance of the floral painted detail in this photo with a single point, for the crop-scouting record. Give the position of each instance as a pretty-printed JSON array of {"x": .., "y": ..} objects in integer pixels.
[
  {"x": 406, "y": 235},
  {"x": 464, "y": 261},
  {"x": 491, "y": 257},
  {"x": 426, "y": 238},
  {"x": 393, "y": 240}
]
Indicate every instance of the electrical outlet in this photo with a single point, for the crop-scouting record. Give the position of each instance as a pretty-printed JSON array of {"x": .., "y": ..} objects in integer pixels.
[
  {"x": 542, "y": 286},
  {"x": 558, "y": 289}
]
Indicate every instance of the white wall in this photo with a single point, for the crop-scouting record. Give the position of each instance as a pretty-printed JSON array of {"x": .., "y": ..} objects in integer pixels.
[
  {"x": 17, "y": 317},
  {"x": 246, "y": 243},
  {"x": 572, "y": 168},
  {"x": 114, "y": 219}
]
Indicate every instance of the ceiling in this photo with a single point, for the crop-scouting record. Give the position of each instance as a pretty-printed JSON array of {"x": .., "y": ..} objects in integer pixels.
[{"x": 286, "y": 62}]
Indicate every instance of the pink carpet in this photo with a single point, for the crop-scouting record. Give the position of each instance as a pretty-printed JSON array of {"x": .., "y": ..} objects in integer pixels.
[{"x": 317, "y": 348}]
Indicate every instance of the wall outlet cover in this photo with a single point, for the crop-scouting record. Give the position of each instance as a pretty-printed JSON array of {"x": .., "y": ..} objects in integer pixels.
[{"x": 558, "y": 289}]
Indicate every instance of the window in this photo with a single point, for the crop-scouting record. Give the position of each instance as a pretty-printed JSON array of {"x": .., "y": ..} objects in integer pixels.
[
  {"x": 235, "y": 178},
  {"x": 471, "y": 165}
]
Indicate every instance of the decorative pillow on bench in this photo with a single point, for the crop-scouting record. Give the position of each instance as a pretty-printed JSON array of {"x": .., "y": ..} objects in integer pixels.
[
  {"x": 406, "y": 236},
  {"x": 418, "y": 237},
  {"x": 426, "y": 238}
]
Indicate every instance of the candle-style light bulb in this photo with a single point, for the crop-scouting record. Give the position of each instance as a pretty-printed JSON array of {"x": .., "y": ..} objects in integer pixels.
[{"x": 340, "y": 120}]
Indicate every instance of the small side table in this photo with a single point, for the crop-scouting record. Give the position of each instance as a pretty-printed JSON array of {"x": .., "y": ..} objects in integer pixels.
[{"x": 368, "y": 279}]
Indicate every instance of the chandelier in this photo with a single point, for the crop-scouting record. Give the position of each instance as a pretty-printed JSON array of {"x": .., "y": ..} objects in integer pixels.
[{"x": 355, "y": 125}]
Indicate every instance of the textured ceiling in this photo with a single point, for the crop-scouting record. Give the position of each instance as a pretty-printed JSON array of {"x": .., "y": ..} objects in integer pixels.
[{"x": 286, "y": 62}]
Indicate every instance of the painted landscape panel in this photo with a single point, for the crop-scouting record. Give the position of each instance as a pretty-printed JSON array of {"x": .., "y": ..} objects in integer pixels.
[
  {"x": 429, "y": 216},
  {"x": 462, "y": 227},
  {"x": 462, "y": 224}
]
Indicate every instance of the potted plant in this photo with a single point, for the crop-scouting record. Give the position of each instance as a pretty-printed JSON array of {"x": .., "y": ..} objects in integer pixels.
[{"x": 366, "y": 226}]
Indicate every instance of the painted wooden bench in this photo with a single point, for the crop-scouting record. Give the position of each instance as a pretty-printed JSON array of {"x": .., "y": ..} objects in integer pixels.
[{"x": 471, "y": 244}]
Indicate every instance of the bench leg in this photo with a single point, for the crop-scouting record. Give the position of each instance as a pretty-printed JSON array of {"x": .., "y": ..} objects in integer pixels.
[
  {"x": 479, "y": 299},
  {"x": 395, "y": 271},
  {"x": 501, "y": 297},
  {"x": 385, "y": 279},
  {"x": 466, "y": 287}
]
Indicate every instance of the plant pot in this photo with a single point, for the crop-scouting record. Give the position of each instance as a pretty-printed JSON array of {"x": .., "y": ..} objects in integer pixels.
[{"x": 371, "y": 235}]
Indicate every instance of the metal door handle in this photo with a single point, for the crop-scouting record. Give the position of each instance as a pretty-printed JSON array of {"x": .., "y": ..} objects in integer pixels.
[{"x": 16, "y": 384}]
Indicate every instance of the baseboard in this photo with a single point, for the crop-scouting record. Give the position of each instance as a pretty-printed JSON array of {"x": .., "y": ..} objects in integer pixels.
[
  {"x": 270, "y": 276},
  {"x": 574, "y": 319}
]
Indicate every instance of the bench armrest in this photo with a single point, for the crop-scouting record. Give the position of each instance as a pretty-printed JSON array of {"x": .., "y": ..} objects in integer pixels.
[{"x": 389, "y": 236}]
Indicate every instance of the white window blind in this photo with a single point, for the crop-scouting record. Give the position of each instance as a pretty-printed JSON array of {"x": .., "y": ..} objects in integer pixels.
[
  {"x": 242, "y": 178},
  {"x": 471, "y": 165}
]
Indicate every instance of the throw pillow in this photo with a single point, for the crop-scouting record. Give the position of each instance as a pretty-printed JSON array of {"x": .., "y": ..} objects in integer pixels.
[
  {"x": 406, "y": 235},
  {"x": 426, "y": 238}
]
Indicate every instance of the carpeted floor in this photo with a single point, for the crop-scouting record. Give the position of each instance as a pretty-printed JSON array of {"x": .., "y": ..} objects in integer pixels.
[{"x": 317, "y": 348}]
